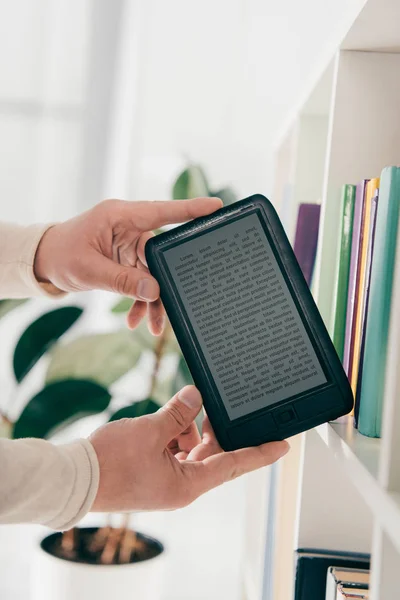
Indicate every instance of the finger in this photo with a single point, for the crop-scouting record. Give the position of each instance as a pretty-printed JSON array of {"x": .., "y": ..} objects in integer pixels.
[
  {"x": 156, "y": 317},
  {"x": 136, "y": 313},
  {"x": 185, "y": 442},
  {"x": 224, "y": 467},
  {"x": 151, "y": 215},
  {"x": 177, "y": 415},
  {"x": 208, "y": 434},
  {"x": 208, "y": 446},
  {"x": 144, "y": 238},
  {"x": 141, "y": 266},
  {"x": 105, "y": 274},
  {"x": 189, "y": 438},
  {"x": 126, "y": 253},
  {"x": 203, "y": 451},
  {"x": 181, "y": 456},
  {"x": 173, "y": 447}
]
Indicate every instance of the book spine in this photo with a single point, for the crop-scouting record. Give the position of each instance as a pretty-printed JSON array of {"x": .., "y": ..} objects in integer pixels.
[
  {"x": 372, "y": 228},
  {"x": 372, "y": 185},
  {"x": 355, "y": 248},
  {"x": 343, "y": 269}
]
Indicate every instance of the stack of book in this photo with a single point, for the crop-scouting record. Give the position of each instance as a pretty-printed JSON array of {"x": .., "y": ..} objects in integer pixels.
[
  {"x": 363, "y": 290},
  {"x": 327, "y": 575}
]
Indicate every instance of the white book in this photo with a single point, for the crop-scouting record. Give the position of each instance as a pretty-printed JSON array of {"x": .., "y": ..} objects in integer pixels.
[{"x": 347, "y": 577}]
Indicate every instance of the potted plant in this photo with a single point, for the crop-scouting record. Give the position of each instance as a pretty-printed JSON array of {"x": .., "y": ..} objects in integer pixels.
[{"x": 80, "y": 370}]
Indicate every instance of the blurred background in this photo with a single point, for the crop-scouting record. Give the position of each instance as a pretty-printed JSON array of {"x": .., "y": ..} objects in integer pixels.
[
  {"x": 112, "y": 98},
  {"x": 106, "y": 98}
]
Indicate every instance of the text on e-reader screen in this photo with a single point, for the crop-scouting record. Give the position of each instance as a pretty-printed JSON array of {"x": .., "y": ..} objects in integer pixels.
[{"x": 244, "y": 317}]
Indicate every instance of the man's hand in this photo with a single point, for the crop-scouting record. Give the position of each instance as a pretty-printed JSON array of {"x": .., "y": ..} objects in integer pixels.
[
  {"x": 104, "y": 249},
  {"x": 159, "y": 461}
]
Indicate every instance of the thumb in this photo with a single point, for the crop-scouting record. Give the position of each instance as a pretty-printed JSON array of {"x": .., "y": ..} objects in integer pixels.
[
  {"x": 176, "y": 416},
  {"x": 106, "y": 274}
]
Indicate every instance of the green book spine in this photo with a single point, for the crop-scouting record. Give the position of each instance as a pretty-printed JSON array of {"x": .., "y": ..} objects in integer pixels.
[
  {"x": 341, "y": 284},
  {"x": 374, "y": 366}
]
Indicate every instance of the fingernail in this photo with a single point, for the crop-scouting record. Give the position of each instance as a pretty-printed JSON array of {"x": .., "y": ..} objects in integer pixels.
[
  {"x": 190, "y": 396},
  {"x": 147, "y": 290}
]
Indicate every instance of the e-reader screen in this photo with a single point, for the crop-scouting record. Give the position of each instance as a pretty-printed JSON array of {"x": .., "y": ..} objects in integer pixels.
[{"x": 244, "y": 317}]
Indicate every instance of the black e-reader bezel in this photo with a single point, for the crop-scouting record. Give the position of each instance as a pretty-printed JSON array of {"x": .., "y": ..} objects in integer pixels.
[{"x": 287, "y": 417}]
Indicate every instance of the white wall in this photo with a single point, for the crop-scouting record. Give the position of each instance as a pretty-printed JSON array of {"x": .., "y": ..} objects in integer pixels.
[
  {"x": 217, "y": 79},
  {"x": 208, "y": 80},
  {"x": 43, "y": 74},
  {"x": 56, "y": 73}
]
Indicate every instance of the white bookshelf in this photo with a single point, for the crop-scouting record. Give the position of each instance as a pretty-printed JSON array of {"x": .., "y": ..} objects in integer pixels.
[{"x": 337, "y": 489}]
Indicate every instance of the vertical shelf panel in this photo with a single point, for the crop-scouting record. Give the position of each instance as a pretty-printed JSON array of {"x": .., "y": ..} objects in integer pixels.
[
  {"x": 284, "y": 174},
  {"x": 389, "y": 471},
  {"x": 385, "y": 568},
  {"x": 364, "y": 134},
  {"x": 332, "y": 514},
  {"x": 258, "y": 494},
  {"x": 309, "y": 166},
  {"x": 313, "y": 132},
  {"x": 300, "y": 156},
  {"x": 286, "y": 501}
]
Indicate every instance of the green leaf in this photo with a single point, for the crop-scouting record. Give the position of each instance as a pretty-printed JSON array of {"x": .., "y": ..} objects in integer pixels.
[
  {"x": 148, "y": 341},
  {"x": 227, "y": 195},
  {"x": 7, "y": 306},
  {"x": 181, "y": 186},
  {"x": 172, "y": 346},
  {"x": 191, "y": 183},
  {"x": 40, "y": 336},
  {"x": 182, "y": 377},
  {"x": 144, "y": 338},
  {"x": 122, "y": 306},
  {"x": 103, "y": 357},
  {"x": 162, "y": 390},
  {"x": 58, "y": 405},
  {"x": 137, "y": 409},
  {"x": 141, "y": 332}
]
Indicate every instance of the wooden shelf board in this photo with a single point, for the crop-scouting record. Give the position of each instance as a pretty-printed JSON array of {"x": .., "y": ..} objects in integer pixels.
[
  {"x": 358, "y": 451},
  {"x": 359, "y": 459},
  {"x": 376, "y": 28}
]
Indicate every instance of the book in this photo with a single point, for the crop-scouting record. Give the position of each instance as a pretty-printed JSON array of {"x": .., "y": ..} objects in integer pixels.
[
  {"x": 351, "y": 578},
  {"x": 374, "y": 207},
  {"x": 372, "y": 185},
  {"x": 345, "y": 593},
  {"x": 342, "y": 269},
  {"x": 311, "y": 568},
  {"x": 306, "y": 238},
  {"x": 377, "y": 328},
  {"x": 358, "y": 219}
]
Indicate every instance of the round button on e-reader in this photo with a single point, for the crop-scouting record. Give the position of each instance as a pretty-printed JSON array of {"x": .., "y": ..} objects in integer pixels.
[{"x": 284, "y": 416}]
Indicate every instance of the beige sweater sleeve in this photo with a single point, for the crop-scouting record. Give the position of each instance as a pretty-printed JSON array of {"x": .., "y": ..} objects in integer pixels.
[
  {"x": 39, "y": 482},
  {"x": 43, "y": 483},
  {"x": 18, "y": 247}
]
